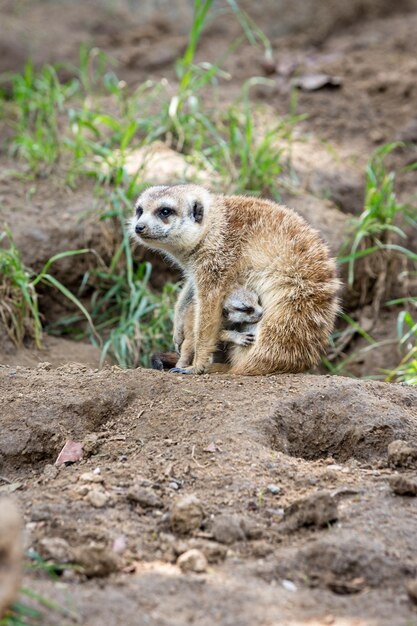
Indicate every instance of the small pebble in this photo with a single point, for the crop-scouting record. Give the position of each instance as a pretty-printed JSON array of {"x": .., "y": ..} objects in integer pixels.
[
  {"x": 192, "y": 561},
  {"x": 319, "y": 509},
  {"x": 146, "y": 497},
  {"x": 91, "y": 477},
  {"x": 402, "y": 454},
  {"x": 56, "y": 549},
  {"x": 289, "y": 585},
  {"x": 50, "y": 472},
  {"x": 119, "y": 544},
  {"x": 98, "y": 499},
  {"x": 274, "y": 489},
  {"x": 228, "y": 529},
  {"x": 403, "y": 485},
  {"x": 173, "y": 486},
  {"x": 186, "y": 514}
]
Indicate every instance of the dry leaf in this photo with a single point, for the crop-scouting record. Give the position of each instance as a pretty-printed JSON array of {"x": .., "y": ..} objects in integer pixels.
[{"x": 70, "y": 453}]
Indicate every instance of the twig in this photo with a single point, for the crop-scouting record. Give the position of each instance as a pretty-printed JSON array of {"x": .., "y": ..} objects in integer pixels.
[{"x": 194, "y": 459}]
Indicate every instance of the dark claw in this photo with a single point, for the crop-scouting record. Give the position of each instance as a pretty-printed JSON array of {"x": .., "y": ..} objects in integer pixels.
[
  {"x": 178, "y": 370},
  {"x": 249, "y": 339}
]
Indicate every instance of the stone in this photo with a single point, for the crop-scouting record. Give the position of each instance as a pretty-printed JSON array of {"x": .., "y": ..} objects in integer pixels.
[
  {"x": 147, "y": 498},
  {"x": 50, "y": 472},
  {"x": 403, "y": 485},
  {"x": 91, "y": 477},
  {"x": 186, "y": 514},
  {"x": 91, "y": 444},
  {"x": 97, "y": 498},
  {"x": 319, "y": 509},
  {"x": 55, "y": 549},
  {"x": 402, "y": 454},
  {"x": 95, "y": 560},
  {"x": 228, "y": 529},
  {"x": 274, "y": 489},
  {"x": 192, "y": 561},
  {"x": 261, "y": 549}
]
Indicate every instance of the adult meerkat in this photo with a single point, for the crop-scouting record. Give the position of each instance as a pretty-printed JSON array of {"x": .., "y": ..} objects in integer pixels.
[{"x": 224, "y": 241}]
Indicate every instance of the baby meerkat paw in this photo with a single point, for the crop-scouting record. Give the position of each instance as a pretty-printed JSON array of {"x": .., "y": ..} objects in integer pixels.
[{"x": 247, "y": 339}]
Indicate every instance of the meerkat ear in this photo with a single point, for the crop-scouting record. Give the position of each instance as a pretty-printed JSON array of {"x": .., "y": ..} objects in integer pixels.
[{"x": 198, "y": 211}]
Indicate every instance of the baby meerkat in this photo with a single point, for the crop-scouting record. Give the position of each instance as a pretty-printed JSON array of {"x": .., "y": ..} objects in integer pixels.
[
  {"x": 224, "y": 241},
  {"x": 241, "y": 313},
  {"x": 240, "y": 316}
]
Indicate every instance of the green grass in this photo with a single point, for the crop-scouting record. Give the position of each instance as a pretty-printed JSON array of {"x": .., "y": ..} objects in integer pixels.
[
  {"x": 39, "y": 99},
  {"x": 382, "y": 221},
  {"x": 376, "y": 238},
  {"x": 406, "y": 372},
  {"x": 86, "y": 126},
  {"x": 19, "y": 302},
  {"x": 130, "y": 318}
]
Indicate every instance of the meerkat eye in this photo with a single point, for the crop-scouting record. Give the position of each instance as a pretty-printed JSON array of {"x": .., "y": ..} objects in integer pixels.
[
  {"x": 139, "y": 211},
  {"x": 165, "y": 211},
  {"x": 245, "y": 309}
]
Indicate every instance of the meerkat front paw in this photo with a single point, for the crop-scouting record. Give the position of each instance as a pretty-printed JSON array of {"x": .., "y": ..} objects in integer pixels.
[{"x": 246, "y": 339}]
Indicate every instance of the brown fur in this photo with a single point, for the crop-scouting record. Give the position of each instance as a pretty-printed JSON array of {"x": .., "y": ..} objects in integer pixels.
[{"x": 269, "y": 249}]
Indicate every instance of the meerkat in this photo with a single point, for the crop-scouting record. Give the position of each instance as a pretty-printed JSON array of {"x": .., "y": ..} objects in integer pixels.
[
  {"x": 223, "y": 241},
  {"x": 240, "y": 315}
]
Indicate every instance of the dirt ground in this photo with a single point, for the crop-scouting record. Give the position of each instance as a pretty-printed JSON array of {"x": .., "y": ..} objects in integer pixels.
[
  {"x": 284, "y": 485},
  {"x": 291, "y": 510}
]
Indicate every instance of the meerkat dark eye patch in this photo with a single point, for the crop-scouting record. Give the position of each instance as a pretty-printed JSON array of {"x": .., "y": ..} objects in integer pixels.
[
  {"x": 139, "y": 211},
  {"x": 198, "y": 211},
  {"x": 243, "y": 308},
  {"x": 166, "y": 211}
]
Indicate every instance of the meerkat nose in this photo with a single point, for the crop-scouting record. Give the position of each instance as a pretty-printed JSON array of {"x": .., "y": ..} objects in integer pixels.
[{"x": 139, "y": 228}]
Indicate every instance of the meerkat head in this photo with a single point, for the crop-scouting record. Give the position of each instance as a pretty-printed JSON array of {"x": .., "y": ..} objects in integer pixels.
[
  {"x": 171, "y": 218},
  {"x": 242, "y": 307}
]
